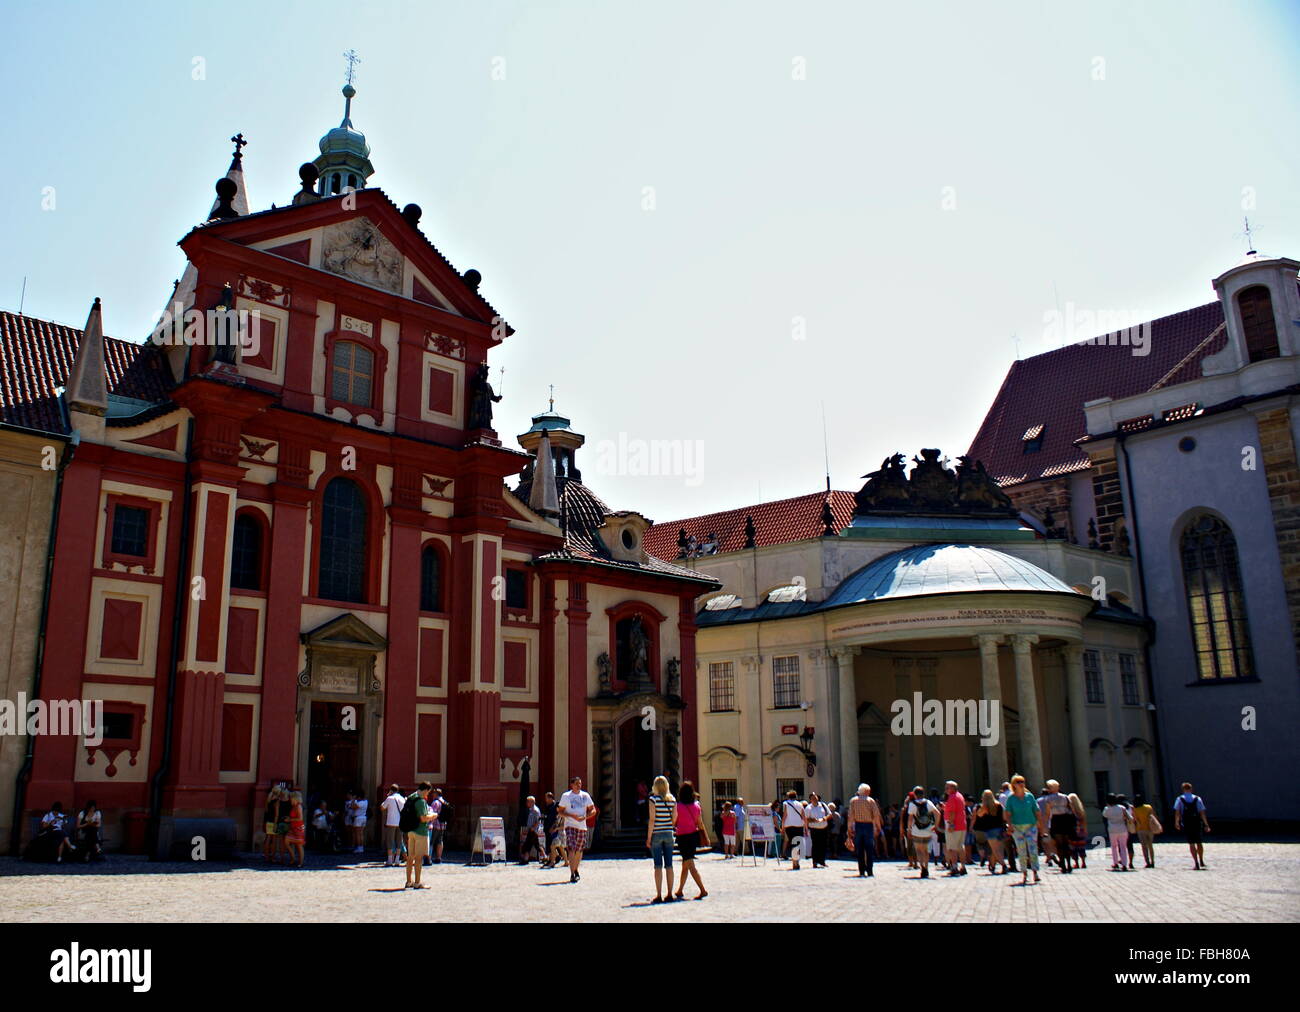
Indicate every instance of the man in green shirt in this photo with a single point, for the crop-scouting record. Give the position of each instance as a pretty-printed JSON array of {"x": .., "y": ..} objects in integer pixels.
[{"x": 415, "y": 813}]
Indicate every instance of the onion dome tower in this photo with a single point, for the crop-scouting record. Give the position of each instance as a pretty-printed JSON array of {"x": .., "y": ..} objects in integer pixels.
[{"x": 344, "y": 160}]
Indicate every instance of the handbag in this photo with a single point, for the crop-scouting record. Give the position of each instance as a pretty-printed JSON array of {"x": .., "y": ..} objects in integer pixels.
[{"x": 1156, "y": 827}]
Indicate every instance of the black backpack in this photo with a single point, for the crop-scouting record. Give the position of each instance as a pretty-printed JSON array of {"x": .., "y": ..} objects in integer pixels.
[
  {"x": 921, "y": 816},
  {"x": 409, "y": 822},
  {"x": 446, "y": 813}
]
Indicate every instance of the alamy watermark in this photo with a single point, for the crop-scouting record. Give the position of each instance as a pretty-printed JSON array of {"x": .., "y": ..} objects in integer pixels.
[
  {"x": 218, "y": 327},
  {"x": 659, "y": 458},
  {"x": 920, "y": 716},
  {"x": 82, "y": 718},
  {"x": 1082, "y": 326}
]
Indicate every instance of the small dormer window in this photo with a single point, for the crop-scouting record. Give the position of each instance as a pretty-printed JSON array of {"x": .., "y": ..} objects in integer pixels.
[
  {"x": 1032, "y": 440},
  {"x": 1258, "y": 327},
  {"x": 629, "y": 539}
]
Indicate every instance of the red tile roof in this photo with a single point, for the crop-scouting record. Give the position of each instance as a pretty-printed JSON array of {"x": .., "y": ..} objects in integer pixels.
[
  {"x": 775, "y": 523},
  {"x": 36, "y": 358},
  {"x": 1050, "y": 389}
]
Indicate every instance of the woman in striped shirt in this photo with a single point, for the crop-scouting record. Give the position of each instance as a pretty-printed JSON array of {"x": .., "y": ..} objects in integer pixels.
[{"x": 659, "y": 835}]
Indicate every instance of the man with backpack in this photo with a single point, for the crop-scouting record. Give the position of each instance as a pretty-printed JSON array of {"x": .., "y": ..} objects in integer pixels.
[
  {"x": 922, "y": 816},
  {"x": 1189, "y": 815},
  {"x": 414, "y": 822}
]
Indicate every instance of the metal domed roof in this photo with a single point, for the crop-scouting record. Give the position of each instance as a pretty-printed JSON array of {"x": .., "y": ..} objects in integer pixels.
[{"x": 942, "y": 569}]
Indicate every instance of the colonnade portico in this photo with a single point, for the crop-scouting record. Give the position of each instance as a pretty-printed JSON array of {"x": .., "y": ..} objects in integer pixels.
[
  {"x": 1020, "y": 726},
  {"x": 929, "y": 663}
]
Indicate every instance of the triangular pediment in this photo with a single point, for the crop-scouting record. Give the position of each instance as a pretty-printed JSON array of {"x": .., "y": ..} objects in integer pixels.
[
  {"x": 347, "y": 632},
  {"x": 363, "y": 241}
]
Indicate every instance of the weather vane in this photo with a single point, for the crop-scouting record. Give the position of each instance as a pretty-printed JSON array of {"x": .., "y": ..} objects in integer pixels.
[
  {"x": 353, "y": 59},
  {"x": 552, "y": 396},
  {"x": 1249, "y": 234}
]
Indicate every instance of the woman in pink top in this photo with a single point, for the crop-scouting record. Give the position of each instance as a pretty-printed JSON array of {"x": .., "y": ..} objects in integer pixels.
[{"x": 690, "y": 830}]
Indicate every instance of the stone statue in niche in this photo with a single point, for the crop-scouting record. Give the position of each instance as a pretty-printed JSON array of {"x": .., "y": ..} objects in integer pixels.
[
  {"x": 481, "y": 399},
  {"x": 639, "y": 643},
  {"x": 602, "y": 671},
  {"x": 674, "y": 679}
]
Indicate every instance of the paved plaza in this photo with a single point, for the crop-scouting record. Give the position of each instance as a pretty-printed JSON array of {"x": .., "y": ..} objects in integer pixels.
[{"x": 1245, "y": 882}]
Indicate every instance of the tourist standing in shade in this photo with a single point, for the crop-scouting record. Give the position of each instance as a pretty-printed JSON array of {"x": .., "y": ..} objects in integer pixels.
[
  {"x": 1060, "y": 822},
  {"x": 817, "y": 816},
  {"x": 990, "y": 828},
  {"x": 954, "y": 822},
  {"x": 661, "y": 828},
  {"x": 271, "y": 818},
  {"x": 864, "y": 825},
  {"x": 728, "y": 831},
  {"x": 550, "y": 816},
  {"x": 1190, "y": 816},
  {"x": 416, "y": 817},
  {"x": 690, "y": 833},
  {"x": 1079, "y": 841},
  {"x": 296, "y": 839},
  {"x": 392, "y": 812},
  {"x": 1143, "y": 814},
  {"x": 1116, "y": 816},
  {"x": 437, "y": 827},
  {"x": 1025, "y": 821},
  {"x": 576, "y": 806},
  {"x": 794, "y": 824},
  {"x": 921, "y": 821}
]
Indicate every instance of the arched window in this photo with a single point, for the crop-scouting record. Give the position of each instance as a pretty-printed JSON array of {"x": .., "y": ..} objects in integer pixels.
[
  {"x": 1257, "y": 324},
  {"x": 334, "y": 183},
  {"x": 343, "y": 542},
  {"x": 353, "y": 376},
  {"x": 246, "y": 554},
  {"x": 1212, "y": 579},
  {"x": 352, "y": 181},
  {"x": 430, "y": 579}
]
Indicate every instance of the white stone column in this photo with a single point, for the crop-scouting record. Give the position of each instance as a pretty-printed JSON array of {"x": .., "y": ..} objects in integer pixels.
[
  {"x": 1031, "y": 739},
  {"x": 848, "y": 719},
  {"x": 1084, "y": 782},
  {"x": 991, "y": 686}
]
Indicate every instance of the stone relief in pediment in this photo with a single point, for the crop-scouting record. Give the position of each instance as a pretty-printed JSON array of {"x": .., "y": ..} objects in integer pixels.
[{"x": 358, "y": 250}]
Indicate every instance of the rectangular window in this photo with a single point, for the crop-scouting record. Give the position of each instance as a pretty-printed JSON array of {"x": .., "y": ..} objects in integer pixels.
[
  {"x": 722, "y": 686},
  {"x": 782, "y": 786},
  {"x": 118, "y": 726},
  {"x": 130, "y": 531},
  {"x": 517, "y": 589},
  {"x": 1129, "y": 679},
  {"x": 353, "y": 374},
  {"x": 785, "y": 681},
  {"x": 1092, "y": 676},
  {"x": 1102, "y": 779},
  {"x": 723, "y": 791},
  {"x": 1139, "y": 778}
]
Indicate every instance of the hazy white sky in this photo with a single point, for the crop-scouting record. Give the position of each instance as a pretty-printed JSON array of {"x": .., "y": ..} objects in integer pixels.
[{"x": 856, "y": 204}]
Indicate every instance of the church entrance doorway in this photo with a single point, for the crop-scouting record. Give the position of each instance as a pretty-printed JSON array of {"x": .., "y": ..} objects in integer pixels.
[
  {"x": 636, "y": 771},
  {"x": 334, "y": 753}
]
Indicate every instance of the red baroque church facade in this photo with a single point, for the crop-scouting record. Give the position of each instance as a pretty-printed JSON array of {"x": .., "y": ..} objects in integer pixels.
[{"x": 298, "y": 560}]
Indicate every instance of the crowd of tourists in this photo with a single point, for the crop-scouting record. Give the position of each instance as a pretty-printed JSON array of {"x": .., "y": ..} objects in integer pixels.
[{"x": 1007, "y": 831}]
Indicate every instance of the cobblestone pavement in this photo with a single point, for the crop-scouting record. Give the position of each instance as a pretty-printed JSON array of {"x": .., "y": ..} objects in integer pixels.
[{"x": 1245, "y": 882}]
